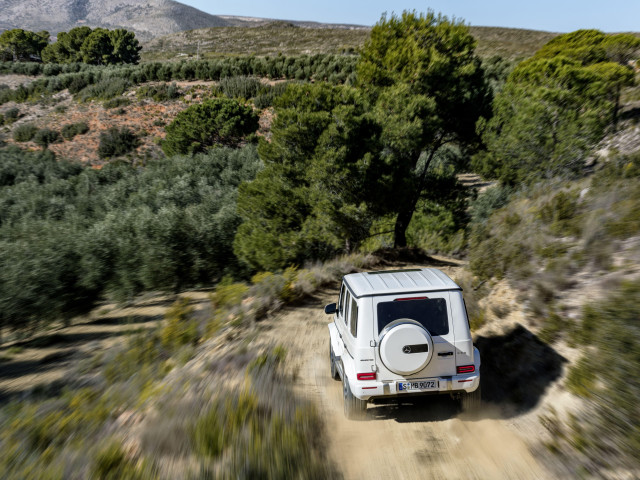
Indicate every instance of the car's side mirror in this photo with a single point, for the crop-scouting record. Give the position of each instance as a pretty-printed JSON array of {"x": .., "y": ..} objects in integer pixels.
[{"x": 329, "y": 309}]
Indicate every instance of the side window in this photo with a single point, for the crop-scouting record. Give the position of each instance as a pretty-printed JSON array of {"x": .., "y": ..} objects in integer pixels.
[
  {"x": 345, "y": 305},
  {"x": 341, "y": 301},
  {"x": 354, "y": 318}
]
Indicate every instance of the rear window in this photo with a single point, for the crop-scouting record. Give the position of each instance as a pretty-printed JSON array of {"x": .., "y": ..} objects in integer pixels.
[{"x": 430, "y": 312}]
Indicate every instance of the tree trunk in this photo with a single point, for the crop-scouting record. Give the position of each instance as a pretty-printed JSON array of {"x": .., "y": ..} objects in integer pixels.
[
  {"x": 406, "y": 213},
  {"x": 400, "y": 230}
]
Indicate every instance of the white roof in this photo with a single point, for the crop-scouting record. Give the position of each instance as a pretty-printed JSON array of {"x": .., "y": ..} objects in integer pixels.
[{"x": 399, "y": 281}]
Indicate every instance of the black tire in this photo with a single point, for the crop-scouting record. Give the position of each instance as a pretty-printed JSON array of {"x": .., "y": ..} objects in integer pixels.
[
  {"x": 354, "y": 408},
  {"x": 471, "y": 401},
  {"x": 332, "y": 360}
]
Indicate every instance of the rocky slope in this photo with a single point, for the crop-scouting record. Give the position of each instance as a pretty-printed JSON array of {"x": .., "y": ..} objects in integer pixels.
[{"x": 148, "y": 18}]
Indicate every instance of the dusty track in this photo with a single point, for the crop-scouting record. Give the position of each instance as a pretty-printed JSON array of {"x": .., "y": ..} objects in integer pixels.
[{"x": 423, "y": 438}]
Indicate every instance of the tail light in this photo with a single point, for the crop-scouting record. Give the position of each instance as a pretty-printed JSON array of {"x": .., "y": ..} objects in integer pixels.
[
  {"x": 366, "y": 376},
  {"x": 467, "y": 369}
]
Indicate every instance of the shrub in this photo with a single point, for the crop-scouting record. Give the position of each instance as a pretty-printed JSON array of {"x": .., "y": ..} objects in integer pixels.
[
  {"x": 240, "y": 86},
  {"x": 262, "y": 432},
  {"x": 180, "y": 328},
  {"x": 104, "y": 90},
  {"x": 11, "y": 115},
  {"x": 218, "y": 121},
  {"x": 77, "y": 84},
  {"x": 24, "y": 132},
  {"x": 112, "y": 463},
  {"x": 487, "y": 202},
  {"x": 607, "y": 376},
  {"x": 71, "y": 130},
  {"x": 228, "y": 294},
  {"x": 267, "y": 94},
  {"x": 159, "y": 93},
  {"x": 117, "y": 141},
  {"x": 116, "y": 102},
  {"x": 44, "y": 137}
]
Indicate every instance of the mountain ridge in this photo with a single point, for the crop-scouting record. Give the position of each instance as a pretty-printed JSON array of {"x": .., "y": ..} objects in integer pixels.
[{"x": 147, "y": 18}]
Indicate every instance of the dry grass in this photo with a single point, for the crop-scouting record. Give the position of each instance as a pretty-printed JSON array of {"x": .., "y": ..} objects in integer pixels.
[
  {"x": 270, "y": 39},
  {"x": 276, "y": 38}
]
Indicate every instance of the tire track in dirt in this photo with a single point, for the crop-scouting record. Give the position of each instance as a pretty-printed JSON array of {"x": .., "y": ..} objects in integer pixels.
[{"x": 425, "y": 437}]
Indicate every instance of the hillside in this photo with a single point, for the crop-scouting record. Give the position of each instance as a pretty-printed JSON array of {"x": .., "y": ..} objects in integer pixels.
[
  {"x": 269, "y": 39},
  {"x": 292, "y": 39}
]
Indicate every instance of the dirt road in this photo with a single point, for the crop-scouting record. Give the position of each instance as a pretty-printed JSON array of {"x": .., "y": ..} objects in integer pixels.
[{"x": 420, "y": 438}]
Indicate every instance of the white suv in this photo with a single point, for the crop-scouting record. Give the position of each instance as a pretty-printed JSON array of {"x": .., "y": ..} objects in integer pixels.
[{"x": 401, "y": 332}]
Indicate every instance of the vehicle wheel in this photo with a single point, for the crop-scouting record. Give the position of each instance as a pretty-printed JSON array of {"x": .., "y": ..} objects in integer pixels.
[
  {"x": 354, "y": 408},
  {"x": 471, "y": 401},
  {"x": 332, "y": 361}
]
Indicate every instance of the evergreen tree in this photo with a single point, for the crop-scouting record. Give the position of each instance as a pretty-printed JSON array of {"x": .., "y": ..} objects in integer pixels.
[
  {"x": 310, "y": 201},
  {"x": 429, "y": 91},
  {"x": 22, "y": 44},
  {"x": 97, "y": 48},
  {"x": 67, "y": 48},
  {"x": 219, "y": 121},
  {"x": 126, "y": 48},
  {"x": 553, "y": 109}
]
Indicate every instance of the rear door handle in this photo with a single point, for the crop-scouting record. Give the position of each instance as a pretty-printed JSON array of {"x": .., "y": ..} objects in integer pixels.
[{"x": 445, "y": 354}]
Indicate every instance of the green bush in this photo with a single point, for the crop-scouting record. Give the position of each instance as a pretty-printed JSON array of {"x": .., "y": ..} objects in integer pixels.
[
  {"x": 24, "y": 132},
  {"x": 45, "y": 137},
  {"x": 71, "y": 130},
  {"x": 116, "y": 102},
  {"x": 116, "y": 142},
  {"x": 111, "y": 463},
  {"x": 560, "y": 212},
  {"x": 159, "y": 93},
  {"x": 180, "y": 328},
  {"x": 11, "y": 115},
  {"x": 267, "y": 94},
  {"x": 103, "y": 90},
  {"x": 219, "y": 121},
  {"x": 493, "y": 198},
  {"x": 240, "y": 86},
  {"x": 77, "y": 84}
]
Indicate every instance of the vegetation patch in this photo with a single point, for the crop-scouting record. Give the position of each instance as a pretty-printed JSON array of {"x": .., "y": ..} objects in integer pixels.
[
  {"x": 116, "y": 102},
  {"x": 116, "y": 142},
  {"x": 45, "y": 137},
  {"x": 71, "y": 130},
  {"x": 105, "y": 89},
  {"x": 24, "y": 132},
  {"x": 607, "y": 433},
  {"x": 212, "y": 123},
  {"x": 159, "y": 93}
]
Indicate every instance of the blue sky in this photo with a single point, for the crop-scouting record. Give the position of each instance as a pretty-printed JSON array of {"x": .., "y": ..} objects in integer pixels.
[{"x": 550, "y": 15}]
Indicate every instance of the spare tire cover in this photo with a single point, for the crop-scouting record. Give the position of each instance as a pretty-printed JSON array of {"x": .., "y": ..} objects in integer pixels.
[{"x": 405, "y": 347}]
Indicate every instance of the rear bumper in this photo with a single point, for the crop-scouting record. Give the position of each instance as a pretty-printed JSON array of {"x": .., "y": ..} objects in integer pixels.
[{"x": 367, "y": 390}]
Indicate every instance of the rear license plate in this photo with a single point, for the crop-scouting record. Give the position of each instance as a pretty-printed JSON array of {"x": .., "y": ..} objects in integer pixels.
[{"x": 418, "y": 385}]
